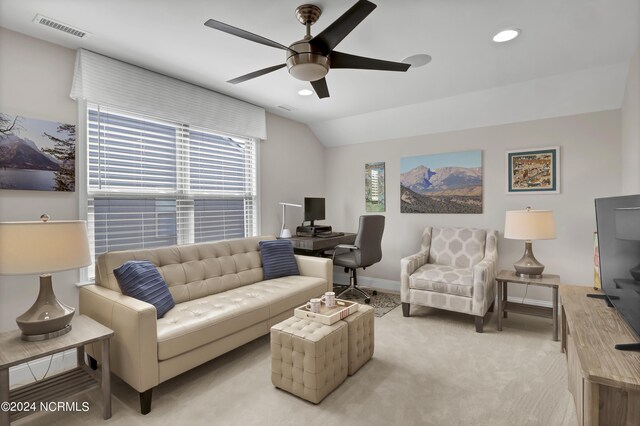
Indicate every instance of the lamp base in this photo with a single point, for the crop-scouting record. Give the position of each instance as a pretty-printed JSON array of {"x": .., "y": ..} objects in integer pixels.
[
  {"x": 285, "y": 233},
  {"x": 45, "y": 336},
  {"x": 528, "y": 266},
  {"x": 48, "y": 317}
]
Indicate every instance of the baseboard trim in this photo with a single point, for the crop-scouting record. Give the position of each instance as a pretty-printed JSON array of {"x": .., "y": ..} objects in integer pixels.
[{"x": 20, "y": 374}]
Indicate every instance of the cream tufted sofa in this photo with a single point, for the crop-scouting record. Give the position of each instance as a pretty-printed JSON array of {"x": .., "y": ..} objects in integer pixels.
[
  {"x": 222, "y": 302},
  {"x": 455, "y": 270}
]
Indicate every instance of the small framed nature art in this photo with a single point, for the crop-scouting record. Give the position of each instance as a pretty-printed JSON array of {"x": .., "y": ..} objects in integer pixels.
[
  {"x": 37, "y": 154},
  {"x": 533, "y": 171},
  {"x": 374, "y": 193}
]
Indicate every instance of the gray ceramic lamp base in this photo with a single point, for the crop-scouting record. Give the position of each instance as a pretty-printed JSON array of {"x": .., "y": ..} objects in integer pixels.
[
  {"x": 528, "y": 266},
  {"x": 48, "y": 317}
]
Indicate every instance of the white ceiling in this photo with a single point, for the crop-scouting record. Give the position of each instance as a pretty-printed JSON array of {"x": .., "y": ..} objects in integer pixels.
[{"x": 559, "y": 37}]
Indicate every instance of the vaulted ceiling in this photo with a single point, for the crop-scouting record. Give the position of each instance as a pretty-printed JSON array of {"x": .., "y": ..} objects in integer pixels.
[{"x": 561, "y": 42}]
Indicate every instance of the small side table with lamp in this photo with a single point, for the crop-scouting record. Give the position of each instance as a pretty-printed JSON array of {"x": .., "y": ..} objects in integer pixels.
[
  {"x": 528, "y": 225},
  {"x": 40, "y": 248}
]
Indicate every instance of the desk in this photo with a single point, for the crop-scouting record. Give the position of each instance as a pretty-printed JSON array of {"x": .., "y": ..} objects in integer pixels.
[
  {"x": 551, "y": 281},
  {"x": 55, "y": 388},
  {"x": 316, "y": 245}
]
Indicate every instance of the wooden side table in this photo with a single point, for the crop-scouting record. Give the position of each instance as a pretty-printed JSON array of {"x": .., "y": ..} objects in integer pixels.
[
  {"x": 552, "y": 281},
  {"x": 31, "y": 397}
]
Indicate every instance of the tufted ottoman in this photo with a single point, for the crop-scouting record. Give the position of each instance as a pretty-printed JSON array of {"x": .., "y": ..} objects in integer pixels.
[
  {"x": 361, "y": 337},
  {"x": 308, "y": 359}
]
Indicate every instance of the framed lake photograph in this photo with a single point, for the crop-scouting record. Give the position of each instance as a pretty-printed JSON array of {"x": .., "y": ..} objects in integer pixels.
[
  {"x": 37, "y": 154},
  {"x": 533, "y": 171},
  {"x": 374, "y": 194},
  {"x": 441, "y": 183}
]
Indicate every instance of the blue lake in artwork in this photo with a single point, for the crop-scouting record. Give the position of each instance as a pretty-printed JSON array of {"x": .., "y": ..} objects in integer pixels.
[{"x": 40, "y": 180}]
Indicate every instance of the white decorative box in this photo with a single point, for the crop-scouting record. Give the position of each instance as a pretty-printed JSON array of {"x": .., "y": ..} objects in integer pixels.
[{"x": 326, "y": 315}]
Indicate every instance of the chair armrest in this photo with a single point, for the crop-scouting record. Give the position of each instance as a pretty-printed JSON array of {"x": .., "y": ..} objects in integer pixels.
[
  {"x": 347, "y": 246},
  {"x": 408, "y": 265},
  {"x": 134, "y": 345},
  {"x": 484, "y": 288},
  {"x": 320, "y": 267},
  {"x": 343, "y": 247}
]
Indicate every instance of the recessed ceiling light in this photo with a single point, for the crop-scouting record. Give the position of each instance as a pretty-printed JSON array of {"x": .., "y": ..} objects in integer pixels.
[
  {"x": 506, "y": 35},
  {"x": 305, "y": 92},
  {"x": 418, "y": 60}
]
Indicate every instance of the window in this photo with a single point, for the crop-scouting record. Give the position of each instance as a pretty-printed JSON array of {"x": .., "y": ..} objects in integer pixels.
[{"x": 154, "y": 183}]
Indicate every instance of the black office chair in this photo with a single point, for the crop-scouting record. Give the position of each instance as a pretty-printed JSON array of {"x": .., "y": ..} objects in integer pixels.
[{"x": 366, "y": 251}]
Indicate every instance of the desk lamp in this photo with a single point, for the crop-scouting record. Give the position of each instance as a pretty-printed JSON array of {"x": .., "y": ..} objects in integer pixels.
[
  {"x": 628, "y": 228},
  {"x": 284, "y": 232},
  {"x": 29, "y": 248},
  {"x": 529, "y": 225}
]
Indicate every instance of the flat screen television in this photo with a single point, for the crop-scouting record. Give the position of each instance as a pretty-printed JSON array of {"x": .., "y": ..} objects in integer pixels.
[
  {"x": 618, "y": 222},
  {"x": 313, "y": 209}
]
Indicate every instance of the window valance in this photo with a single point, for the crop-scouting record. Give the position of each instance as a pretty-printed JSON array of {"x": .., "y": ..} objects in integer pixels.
[{"x": 107, "y": 81}]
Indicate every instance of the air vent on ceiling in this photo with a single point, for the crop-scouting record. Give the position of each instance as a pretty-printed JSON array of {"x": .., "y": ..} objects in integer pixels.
[
  {"x": 286, "y": 107},
  {"x": 57, "y": 25}
]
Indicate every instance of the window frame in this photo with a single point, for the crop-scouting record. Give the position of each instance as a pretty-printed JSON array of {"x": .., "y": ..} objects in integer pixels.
[{"x": 182, "y": 192}]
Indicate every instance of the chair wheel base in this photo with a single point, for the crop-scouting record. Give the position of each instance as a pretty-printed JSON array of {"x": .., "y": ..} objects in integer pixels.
[{"x": 367, "y": 300}]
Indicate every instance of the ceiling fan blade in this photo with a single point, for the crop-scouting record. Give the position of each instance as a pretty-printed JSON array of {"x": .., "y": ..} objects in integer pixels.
[
  {"x": 328, "y": 39},
  {"x": 346, "y": 60},
  {"x": 221, "y": 26},
  {"x": 320, "y": 86},
  {"x": 256, "y": 74}
]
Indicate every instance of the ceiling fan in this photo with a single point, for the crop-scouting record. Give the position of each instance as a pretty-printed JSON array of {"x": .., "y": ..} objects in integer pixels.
[{"x": 311, "y": 58}]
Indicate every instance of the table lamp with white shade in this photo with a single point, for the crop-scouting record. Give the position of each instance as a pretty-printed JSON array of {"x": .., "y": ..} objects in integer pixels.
[
  {"x": 284, "y": 232},
  {"x": 30, "y": 248},
  {"x": 529, "y": 225}
]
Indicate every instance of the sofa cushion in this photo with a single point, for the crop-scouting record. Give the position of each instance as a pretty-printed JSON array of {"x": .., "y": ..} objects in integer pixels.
[
  {"x": 141, "y": 280},
  {"x": 277, "y": 259},
  {"x": 198, "y": 322},
  {"x": 443, "y": 279}
]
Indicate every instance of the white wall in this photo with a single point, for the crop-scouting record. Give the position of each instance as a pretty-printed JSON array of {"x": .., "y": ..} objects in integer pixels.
[
  {"x": 590, "y": 155},
  {"x": 631, "y": 129},
  {"x": 291, "y": 168},
  {"x": 35, "y": 81}
]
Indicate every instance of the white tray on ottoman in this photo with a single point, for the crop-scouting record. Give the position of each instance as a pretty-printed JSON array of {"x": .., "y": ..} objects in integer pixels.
[{"x": 327, "y": 315}]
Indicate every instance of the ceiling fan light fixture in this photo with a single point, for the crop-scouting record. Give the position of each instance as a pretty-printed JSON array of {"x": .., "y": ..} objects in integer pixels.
[
  {"x": 307, "y": 64},
  {"x": 308, "y": 72},
  {"x": 305, "y": 92},
  {"x": 506, "y": 35}
]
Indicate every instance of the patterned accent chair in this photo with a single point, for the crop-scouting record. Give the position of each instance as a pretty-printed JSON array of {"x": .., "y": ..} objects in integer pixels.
[{"x": 454, "y": 270}]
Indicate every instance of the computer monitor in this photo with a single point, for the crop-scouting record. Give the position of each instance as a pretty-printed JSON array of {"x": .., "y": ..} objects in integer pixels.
[{"x": 313, "y": 209}]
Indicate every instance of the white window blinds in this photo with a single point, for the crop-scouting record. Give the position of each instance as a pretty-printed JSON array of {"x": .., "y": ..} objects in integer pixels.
[
  {"x": 154, "y": 183},
  {"x": 105, "y": 81}
]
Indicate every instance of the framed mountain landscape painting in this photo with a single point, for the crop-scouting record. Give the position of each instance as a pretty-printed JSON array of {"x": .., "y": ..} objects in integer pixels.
[
  {"x": 441, "y": 183},
  {"x": 37, "y": 154}
]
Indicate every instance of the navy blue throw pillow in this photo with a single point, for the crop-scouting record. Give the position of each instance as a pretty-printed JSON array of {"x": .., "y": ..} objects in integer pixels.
[
  {"x": 277, "y": 259},
  {"x": 140, "y": 279}
]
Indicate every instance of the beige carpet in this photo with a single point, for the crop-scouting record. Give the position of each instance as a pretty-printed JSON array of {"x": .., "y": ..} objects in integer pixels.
[{"x": 430, "y": 369}]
